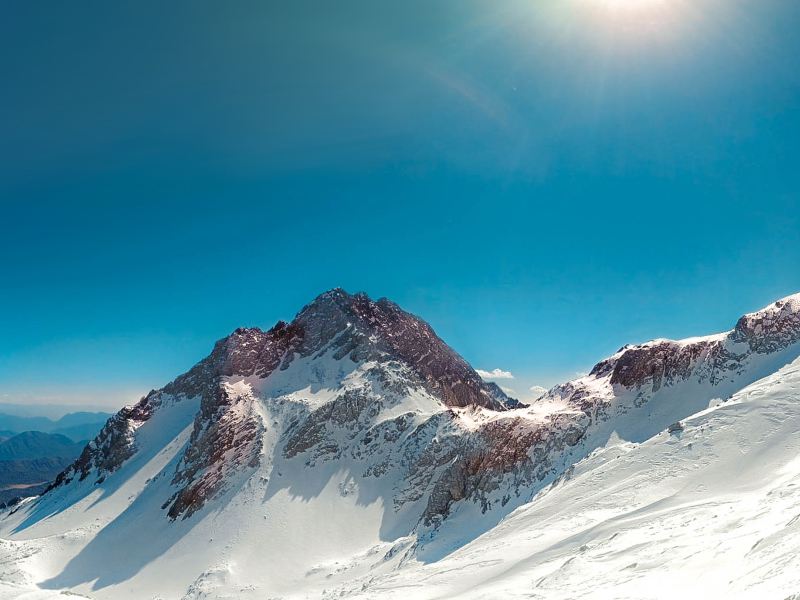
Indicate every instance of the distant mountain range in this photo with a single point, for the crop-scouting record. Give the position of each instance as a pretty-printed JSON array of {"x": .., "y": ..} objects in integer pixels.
[
  {"x": 34, "y": 449},
  {"x": 30, "y": 460},
  {"x": 37, "y": 444},
  {"x": 77, "y": 426}
]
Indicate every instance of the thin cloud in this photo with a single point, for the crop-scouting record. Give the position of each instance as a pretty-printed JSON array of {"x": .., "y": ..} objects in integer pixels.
[
  {"x": 494, "y": 374},
  {"x": 537, "y": 391}
]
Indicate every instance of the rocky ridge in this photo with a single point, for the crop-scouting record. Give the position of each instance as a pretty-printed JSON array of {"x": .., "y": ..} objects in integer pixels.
[
  {"x": 363, "y": 382},
  {"x": 403, "y": 353}
]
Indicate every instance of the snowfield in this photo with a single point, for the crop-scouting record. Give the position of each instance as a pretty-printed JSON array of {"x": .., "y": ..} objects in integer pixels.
[
  {"x": 352, "y": 454},
  {"x": 712, "y": 511},
  {"x": 709, "y": 511}
]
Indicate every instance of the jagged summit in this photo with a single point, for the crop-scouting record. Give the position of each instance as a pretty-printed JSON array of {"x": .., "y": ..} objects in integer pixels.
[
  {"x": 355, "y": 430},
  {"x": 331, "y": 338},
  {"x": 352, "y": 326},
  {"x": 363, "y": 327}
]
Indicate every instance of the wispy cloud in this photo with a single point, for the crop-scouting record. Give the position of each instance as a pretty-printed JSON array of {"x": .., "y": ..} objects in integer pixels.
[
  {"x": 537, "y": 391},
  {"x": 495, "y": 374}
]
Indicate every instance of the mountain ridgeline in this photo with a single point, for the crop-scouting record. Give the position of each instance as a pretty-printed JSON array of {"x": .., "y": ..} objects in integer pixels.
[
  {"x": 358, "y": 406},
  {"x": 397, "y": 351},
  {"x": 78, "y": 426},
  {"x": 401, "y": 356}
]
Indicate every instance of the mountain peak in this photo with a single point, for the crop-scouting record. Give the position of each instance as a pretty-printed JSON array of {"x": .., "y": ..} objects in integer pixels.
[
  {"x": 771, "y": 328},
  {"x": 352, "y": 407},
  {"x": 359, "y": 326},
  {"x": 336, "y": 304},
  {"x": 336, "y": 334},
  {"x": 346, "y": 325},
  {"x": 336, "y": 298}
]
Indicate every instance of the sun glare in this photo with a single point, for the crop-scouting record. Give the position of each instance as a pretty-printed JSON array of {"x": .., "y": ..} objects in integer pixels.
[
  {"x": 631, "y": 3},
  {"x": 633, "y": 8},
  {"x": 635, "y": 17}
]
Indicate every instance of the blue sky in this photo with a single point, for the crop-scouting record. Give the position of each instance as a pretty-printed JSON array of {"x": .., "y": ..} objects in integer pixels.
[{"x": 542, "y": 181}]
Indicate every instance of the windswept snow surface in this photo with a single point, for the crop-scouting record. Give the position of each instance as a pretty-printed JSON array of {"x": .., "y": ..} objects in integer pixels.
[
  {"x": 315, "y": 474},
  {"x": 709, "y": 511},
  {"x": 712, "y": 511},
  {"x": 281, "y": 530}
]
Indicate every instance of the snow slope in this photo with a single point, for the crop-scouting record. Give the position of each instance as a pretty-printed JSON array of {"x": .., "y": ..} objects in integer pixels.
[
  {"x": 712, "y": 511},
  {"x": 352, "y": 453},
  {"x": 269, "y": 461}
]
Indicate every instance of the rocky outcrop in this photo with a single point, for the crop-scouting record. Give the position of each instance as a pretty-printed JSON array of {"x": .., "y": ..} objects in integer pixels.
[
  {"x": 513, "y": 452},
  {"x": 366, "y": 329},
  {"x": 647, "y": 368},
  {"x": 771, "y": 329},
  {"x": 225, "y": 440},
  {"x": 113, "y": 445},
  {"x": 656, "y": 364},
  {"x": 399, "y": 403},
  {"x": 500, "y": 396},
  {"x": 227, "y": 432},
  {"x": 517, "y": 453}
]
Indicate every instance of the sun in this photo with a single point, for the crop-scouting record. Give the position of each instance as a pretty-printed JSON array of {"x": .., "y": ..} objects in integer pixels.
[
  {"x": 635, "y": 18},
  {"x": 631, "y": 4}
]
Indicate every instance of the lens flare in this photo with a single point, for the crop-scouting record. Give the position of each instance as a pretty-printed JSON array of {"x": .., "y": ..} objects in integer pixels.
[{"x": 636, "y": 18}]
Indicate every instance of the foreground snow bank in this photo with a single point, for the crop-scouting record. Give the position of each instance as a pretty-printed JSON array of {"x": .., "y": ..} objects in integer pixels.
[{"x": 708, "y": 512}]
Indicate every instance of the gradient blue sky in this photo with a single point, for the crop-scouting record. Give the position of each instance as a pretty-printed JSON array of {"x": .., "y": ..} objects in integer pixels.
[{"x": 542, "y": 181}]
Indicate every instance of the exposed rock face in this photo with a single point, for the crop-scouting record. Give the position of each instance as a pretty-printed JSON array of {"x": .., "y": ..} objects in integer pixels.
[
  {"x": 228, "y": 430},
  {"x": 478, "y": 464},
  {"x": 771, "y": 329},
  {"x": 226, "y": 438},
  {"x": 649, "y": 367},
  {"x": 365, "y": 383},
  {"x": 113, "y": 445},
  {"x": 655, "y": 365},
  {"x": 516, "y": 453},
  {"x": 368, "y": 329}
]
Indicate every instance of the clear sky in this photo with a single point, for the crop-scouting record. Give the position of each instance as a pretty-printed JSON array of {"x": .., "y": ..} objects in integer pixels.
[{"x": 543, "y": 181}]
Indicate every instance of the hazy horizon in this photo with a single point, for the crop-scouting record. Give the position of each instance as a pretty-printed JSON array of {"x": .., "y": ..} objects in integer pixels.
[{"x": 517, "y": 383}]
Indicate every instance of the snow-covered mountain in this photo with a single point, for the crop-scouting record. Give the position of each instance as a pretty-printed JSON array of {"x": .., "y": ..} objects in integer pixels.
[
  {"x": 352, "y": 452},
  {"x": 710, "y": 510}
]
